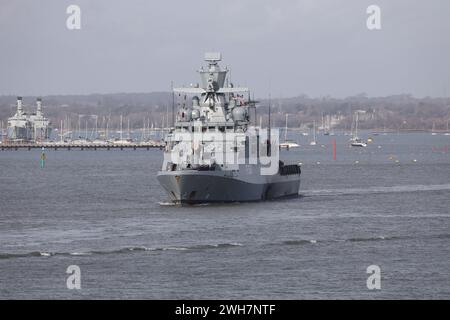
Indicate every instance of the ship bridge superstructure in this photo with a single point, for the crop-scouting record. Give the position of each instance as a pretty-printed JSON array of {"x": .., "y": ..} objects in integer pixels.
[
  {"x": 214, "y": 101},
  {"x": 212, "y": 127}
]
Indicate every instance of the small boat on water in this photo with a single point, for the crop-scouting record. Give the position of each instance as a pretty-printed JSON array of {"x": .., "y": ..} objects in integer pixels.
[
  {"x": 288, "y": 144},
  {"x": 99, "y": 142},
  {"x": 432, "y": 130},
  {"x": 80, "y": 141},
  {"x": 355, "y": 141},
  {"x": 358, "y": 143},
  {"x": 121, "y": 141}
]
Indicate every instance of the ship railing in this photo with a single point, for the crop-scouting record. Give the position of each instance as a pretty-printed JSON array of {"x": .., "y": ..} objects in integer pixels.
[{"x": 289, "y": 169}]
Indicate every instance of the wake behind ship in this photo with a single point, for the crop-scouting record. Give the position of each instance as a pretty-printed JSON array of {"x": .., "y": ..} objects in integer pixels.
[{"x": 214, "y": 154}]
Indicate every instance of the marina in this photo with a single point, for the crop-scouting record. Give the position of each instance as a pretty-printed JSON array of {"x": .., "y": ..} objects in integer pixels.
[{"x": 31, "y": 130}]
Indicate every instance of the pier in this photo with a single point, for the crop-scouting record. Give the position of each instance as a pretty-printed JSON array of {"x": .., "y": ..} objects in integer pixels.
[{"x": 80, "y": 146}]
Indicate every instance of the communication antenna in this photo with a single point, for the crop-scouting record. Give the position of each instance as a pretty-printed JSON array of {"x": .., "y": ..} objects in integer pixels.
[
  {"x": 269, "y": 149},
  {"x": 256, "y": 113},
  {"x": 173, "y": 104}
]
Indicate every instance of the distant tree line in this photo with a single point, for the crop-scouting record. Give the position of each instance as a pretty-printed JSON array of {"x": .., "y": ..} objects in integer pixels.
[{"x": 396, "y": 112}]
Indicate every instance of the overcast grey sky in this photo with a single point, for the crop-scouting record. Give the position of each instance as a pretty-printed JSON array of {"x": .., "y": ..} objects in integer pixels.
[{"x": 314, "y": 47}]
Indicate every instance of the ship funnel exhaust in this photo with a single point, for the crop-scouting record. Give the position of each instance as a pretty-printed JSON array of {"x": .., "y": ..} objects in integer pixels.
[
  {"x": 19, "y": 105},
  {"x": 39, "y": 104}
]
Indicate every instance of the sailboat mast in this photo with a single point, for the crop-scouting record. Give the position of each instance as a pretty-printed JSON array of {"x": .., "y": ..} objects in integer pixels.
[
  {"x": 269, "y": 151},
  {"x": 352, "y": 126},
  {"x": 285, "y": 130},
  {"x": 314, "y": 131},
  {"x": 173, "y": 104},
  {"x": 323, "y": 128},
  {"x": 121, "y": 135},
  {"x": 167, "y": 116},
  {"x": 96, "y": 127},
  {"x": 128, "y": 128},
  {"x": 107, "y": 128}
]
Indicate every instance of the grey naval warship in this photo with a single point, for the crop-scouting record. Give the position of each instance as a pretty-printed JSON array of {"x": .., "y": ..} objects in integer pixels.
[{"x": 214, "y": 153}]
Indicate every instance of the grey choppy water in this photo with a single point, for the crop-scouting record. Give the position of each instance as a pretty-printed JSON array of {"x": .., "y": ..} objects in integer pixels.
[{"x": 105, "y": 212}]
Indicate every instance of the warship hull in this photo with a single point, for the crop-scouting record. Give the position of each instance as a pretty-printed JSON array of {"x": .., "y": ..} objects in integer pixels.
[{"x": 191, "y": 187}]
